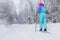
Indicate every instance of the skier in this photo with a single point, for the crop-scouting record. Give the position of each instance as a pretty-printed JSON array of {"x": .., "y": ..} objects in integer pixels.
[{"x": 42, "y": 16}]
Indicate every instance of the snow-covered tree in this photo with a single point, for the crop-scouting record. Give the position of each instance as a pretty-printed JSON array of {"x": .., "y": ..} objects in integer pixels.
[{"x": 7, "y": 10}]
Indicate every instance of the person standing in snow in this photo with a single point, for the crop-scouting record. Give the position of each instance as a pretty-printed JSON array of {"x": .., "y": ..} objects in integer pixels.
[{"x": 42, "y": 16}]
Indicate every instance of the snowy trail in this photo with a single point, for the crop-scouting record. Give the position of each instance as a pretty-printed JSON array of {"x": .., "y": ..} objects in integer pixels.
[{"x": 27, "y": 32}]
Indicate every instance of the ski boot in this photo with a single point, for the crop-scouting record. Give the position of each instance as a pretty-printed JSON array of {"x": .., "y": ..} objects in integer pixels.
[
  {"x": 45, "y": 29},
  {"x": 40, "y": 29}
]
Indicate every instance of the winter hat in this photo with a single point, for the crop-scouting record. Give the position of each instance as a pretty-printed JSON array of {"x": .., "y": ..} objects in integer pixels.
[{"x": 40, "y": 3}]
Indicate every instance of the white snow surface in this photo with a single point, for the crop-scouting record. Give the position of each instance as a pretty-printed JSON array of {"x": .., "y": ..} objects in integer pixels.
[{"x": 27, "y": 32}]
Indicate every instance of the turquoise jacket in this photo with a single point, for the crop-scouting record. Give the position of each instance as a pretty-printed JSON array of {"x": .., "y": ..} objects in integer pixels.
[{"x": 41, "y": 9}]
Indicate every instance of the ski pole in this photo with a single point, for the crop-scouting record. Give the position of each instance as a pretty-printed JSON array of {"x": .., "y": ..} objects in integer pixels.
[{"x": 36, "y": 23}]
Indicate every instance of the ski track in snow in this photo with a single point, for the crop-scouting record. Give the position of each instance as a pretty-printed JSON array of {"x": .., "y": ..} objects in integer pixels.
[{"x": 27, "y": 32}]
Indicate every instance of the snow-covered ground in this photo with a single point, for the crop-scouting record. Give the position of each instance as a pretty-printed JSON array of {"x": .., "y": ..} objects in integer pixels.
[{"x": 27, "y": 32}]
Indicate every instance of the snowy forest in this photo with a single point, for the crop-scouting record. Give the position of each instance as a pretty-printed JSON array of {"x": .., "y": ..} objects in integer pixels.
[
  {"x": 24, "y": 11},
  {"x": 19, "y": 20}
]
